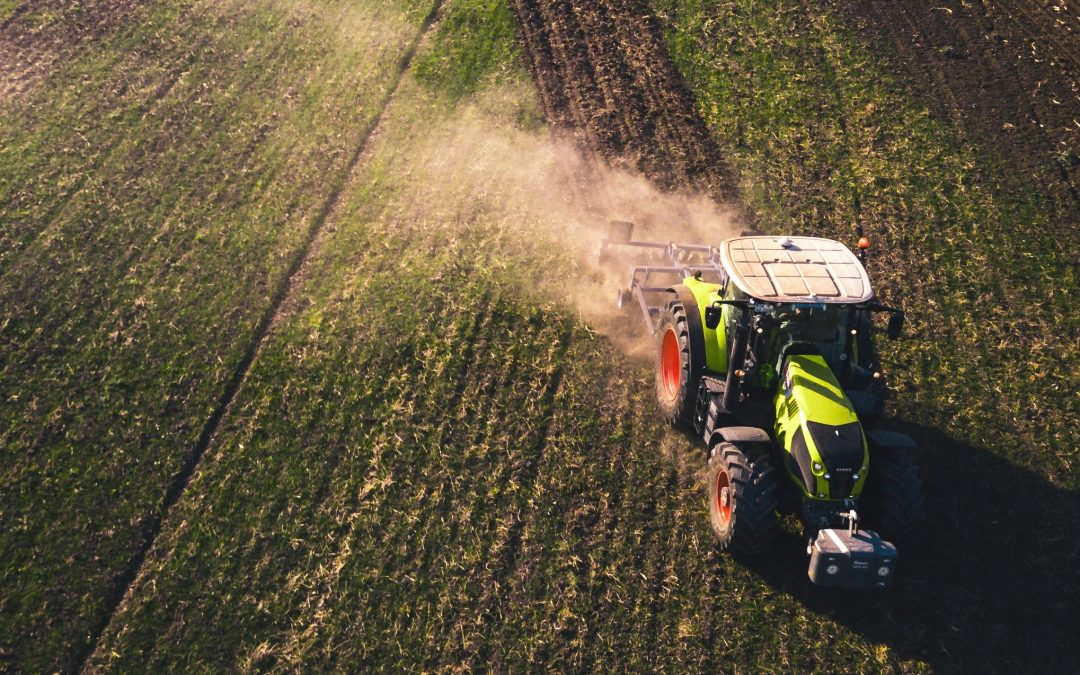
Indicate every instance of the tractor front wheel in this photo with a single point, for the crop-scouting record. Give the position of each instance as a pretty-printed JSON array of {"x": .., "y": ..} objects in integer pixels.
[
  {"x": 742, "y": 498},
  {"x": 892, "y": 498}
]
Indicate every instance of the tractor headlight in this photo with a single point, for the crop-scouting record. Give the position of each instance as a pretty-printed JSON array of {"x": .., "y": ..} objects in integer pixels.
[
  {"x": 883, "y": 571},
  {"x": 833, "y": 569}
]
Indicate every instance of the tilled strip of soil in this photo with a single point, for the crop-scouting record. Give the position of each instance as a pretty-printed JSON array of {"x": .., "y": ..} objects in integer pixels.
[
  {"x": 40, "y": 32},
  {"x": 1007, "y": 72},
  {"x": 602, "y": 72}
]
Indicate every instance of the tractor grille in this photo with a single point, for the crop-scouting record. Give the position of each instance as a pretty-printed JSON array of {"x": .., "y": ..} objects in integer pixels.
[
  {"x": 841, "y": 449},
  {"x": 792, "y": 408}
]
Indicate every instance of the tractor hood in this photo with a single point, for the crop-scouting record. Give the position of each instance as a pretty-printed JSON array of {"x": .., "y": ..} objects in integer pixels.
[{"x": 824, "y": 442}]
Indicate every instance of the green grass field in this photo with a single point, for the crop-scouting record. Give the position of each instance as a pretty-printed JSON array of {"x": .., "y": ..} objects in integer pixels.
[
  {"x": 433, "y": 461},
  {"x": 153, "y": 192}
]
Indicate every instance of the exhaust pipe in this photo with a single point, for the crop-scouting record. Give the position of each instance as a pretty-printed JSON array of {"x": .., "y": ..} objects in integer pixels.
[{"x": 736, "y": 361}]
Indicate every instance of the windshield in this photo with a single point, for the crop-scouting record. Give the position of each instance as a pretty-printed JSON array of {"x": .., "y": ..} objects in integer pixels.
[{"x": 820, "y": 325}]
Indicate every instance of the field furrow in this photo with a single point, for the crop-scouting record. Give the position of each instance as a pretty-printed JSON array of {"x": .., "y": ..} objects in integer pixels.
[
  {"x": 597, "y": 55},
  {"x": 1005, "y": 72}
]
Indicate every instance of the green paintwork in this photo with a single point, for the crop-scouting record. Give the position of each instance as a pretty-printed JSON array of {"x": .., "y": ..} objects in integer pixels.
[
  {"x": 818, "y": 397},
  {"x": 716, "y": 354}
]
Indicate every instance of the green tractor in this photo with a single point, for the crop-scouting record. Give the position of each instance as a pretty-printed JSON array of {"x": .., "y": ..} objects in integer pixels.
[{"x": 765, "y": 353}]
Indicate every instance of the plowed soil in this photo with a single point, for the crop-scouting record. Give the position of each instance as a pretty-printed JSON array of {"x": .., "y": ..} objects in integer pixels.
[
  {"x": 1007, "y": 72},
  {"x": 602, "y": 71}
]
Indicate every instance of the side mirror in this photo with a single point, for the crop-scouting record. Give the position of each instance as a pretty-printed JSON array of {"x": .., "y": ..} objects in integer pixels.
[
  {"x": 896, "y": 325},
  {"x": 712, "y": 316}
]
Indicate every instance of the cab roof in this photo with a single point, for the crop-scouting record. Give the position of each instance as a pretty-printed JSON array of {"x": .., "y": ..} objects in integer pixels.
[{"x": 795, "y": 269}]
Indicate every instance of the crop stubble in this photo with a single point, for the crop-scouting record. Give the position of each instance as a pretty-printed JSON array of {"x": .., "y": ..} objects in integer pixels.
[{"x": 38, "y": 33}]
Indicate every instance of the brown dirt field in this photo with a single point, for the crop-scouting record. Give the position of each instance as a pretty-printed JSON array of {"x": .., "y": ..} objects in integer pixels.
[
  {"x": 602, "y": 72},
  {"x": 1006, "y": 72},
  {"x": 40, "y": 32}
]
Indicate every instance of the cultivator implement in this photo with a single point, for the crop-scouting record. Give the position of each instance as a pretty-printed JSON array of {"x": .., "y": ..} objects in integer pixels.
[{"x": 649, "y": 284}]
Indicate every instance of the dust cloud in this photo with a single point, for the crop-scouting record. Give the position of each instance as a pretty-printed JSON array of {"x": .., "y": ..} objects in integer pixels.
[{"x": 546, "y": 193}]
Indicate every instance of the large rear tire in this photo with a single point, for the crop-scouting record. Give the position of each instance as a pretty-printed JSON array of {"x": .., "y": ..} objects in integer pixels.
[
  {"x": 892, "y": 499},
  {"x": 742, "y": 498},
  {"x": 679, "y": 363}
]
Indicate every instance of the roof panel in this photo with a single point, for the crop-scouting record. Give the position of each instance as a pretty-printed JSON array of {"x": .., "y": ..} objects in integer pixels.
[
  {"x": 812, "y": 270},
  {"x": 848, "y": 271},
  {"x": 836, "y": 256},
  {"x": 801, "y": 269},
  {"x": 827, "y": 245},
  {"x": 761, "y": 287},
  {"x": 792, "y": 286},
  {"x": 747, "y": 269},
  {"x": 744, "y": 255},
  {"x": 767, "y": 244},
  {"x": 853, "y": 287},
  {"x": 782, "y": 269},
  {"x": 822, "y": 286}
]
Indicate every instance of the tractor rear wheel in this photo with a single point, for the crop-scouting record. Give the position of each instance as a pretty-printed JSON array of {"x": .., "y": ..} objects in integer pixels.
[
  {"x": 678, "y": 365},
  {"x": 742, "y": 497},
  {"x": 892, "y": 498}
]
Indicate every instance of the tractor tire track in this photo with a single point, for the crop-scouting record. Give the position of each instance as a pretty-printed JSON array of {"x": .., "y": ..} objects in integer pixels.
[{"x": 152, "y": 525}]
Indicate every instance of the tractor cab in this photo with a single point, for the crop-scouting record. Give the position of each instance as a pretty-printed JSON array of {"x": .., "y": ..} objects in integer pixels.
[
  {"x": 803, "y": 295},
  {"x": 801, "y": 291}
]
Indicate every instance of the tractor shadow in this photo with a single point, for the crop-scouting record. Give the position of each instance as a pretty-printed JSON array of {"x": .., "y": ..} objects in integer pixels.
[{"x": 996, "y": 584}]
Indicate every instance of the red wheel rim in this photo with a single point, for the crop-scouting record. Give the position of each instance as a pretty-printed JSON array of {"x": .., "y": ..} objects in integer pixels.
[
  {"x": 723, "y": 496},
  {"x": 670, "y": 363}
]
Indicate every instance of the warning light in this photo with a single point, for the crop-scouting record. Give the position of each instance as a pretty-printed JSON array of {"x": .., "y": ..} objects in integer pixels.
[{"x": 864, "y": 243}]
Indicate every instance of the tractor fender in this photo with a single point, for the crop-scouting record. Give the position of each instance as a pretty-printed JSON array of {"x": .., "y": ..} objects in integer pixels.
[
  {"x": 890, "y": 439},
  {"x": 740, "y": 435},
  {"x": 694, "y": 326},
  {"x": 713, "y": 338}
]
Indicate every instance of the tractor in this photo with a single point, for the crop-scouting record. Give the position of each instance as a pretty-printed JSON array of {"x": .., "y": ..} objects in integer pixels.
[{"x": 765, "y": 353}]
